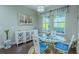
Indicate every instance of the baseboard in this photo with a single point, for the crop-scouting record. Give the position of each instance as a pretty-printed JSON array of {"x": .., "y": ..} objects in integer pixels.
[
  {"x": 13, "y": 43},
  {"x": 1, "y": 46}
]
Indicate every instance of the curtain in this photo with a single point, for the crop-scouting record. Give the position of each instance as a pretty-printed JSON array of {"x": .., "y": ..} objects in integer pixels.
[{"x": 58, "y": 17}]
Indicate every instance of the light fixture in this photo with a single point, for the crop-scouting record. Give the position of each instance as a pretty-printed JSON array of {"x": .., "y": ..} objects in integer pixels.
[{"x": 40, "y": 9}]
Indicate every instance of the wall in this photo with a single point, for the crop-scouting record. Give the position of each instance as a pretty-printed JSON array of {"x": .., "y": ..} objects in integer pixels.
[
  {"x": 71, "y": 23},
  {"x": 78, "y": 32},
  {"x": 8, "y": 19}
]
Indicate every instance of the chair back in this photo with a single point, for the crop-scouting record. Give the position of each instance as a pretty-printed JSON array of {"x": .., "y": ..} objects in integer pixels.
[
  {"x": 72, "y": 40},
  {"x": 36, "y": 41}
]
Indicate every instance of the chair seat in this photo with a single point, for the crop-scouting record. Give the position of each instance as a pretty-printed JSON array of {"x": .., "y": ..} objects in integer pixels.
[
  {"x": 61, "y": 46},
  {"x": 43, "y": 46}
]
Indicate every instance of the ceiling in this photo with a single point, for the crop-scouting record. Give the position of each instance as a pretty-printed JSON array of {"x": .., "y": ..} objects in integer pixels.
[{"x": 47, "y": 7}]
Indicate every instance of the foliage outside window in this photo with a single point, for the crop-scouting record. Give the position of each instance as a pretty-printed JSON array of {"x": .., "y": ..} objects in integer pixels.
[
  {"x": 45, "y": 25},
  {"x": 59, "y": 24}
]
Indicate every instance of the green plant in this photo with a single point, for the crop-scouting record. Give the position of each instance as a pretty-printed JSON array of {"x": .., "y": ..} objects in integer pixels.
[{"x": 6, "y": 32}]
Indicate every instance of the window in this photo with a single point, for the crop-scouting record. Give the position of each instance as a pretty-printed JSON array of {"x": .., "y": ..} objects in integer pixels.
[
  {"x": 45, "y": 24},
  {"x": 58, "y": 16},
  {"x": 59, "y": 23}
]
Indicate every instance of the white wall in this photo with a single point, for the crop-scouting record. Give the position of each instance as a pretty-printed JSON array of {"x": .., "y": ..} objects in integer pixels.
[
  {"x": 71, "y": 23},
  {"x": 78, "y": 31},
  {"x": 8, "y": 18}
]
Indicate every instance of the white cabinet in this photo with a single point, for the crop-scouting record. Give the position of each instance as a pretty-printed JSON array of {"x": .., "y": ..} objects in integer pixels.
[{"x": 22, "y": 36}]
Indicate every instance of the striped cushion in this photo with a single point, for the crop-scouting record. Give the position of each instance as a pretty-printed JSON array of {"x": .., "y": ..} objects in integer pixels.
[
  {"x": 61, "y": 46},
  {"x": 43, "y": 46}
]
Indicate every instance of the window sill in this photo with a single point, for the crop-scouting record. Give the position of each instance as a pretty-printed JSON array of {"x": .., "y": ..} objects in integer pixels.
[{"x": 62, "y": 34}]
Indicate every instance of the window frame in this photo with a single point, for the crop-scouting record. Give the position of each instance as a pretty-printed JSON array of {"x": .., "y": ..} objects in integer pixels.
[{"x": 64, "y": 26}]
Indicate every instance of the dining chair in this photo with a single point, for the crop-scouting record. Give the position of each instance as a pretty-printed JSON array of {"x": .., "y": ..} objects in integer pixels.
[
  {"x": 38, "y": 45},
  {"x": 64, "y": 47}
]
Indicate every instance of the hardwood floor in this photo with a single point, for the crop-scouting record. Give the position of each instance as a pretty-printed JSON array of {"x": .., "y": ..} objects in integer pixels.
[
  {"x": 21, "y": 49},
  {"x": 72, "y": 51},
  {"x": 24, "y": 48}
]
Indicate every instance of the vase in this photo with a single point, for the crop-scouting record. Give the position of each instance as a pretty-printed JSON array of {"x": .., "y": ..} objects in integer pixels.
[{"x": 7, "y": 44}]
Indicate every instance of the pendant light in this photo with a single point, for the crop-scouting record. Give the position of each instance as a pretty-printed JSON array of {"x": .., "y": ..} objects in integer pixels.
[{"x": 40, "y": 9}]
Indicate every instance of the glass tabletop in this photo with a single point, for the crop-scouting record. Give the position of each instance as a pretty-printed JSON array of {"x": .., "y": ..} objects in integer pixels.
[{"x": 54, "y": 38}]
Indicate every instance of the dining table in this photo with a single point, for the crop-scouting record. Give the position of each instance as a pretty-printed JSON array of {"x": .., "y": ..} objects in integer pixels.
[{"x": 51, "y": 40}]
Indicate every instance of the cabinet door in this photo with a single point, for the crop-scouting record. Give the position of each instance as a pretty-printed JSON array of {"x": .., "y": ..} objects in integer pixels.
[
  {"x": 19, "y": 37},
  {"x": 27, "y": 36}
]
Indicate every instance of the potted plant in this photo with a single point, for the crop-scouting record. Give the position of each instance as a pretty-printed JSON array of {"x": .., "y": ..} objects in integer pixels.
[
  {"x": 7, "y": 43},
  {"x": 7, "y": 32}
]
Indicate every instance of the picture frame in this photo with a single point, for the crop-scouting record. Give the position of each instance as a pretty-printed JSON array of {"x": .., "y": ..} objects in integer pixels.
[{"x": 24, "y": 19}]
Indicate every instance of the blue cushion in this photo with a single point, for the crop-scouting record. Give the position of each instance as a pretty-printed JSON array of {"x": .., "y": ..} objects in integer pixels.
[
  {"x": 61, "y": 46},
  {"x": 43, "y": 46}
]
